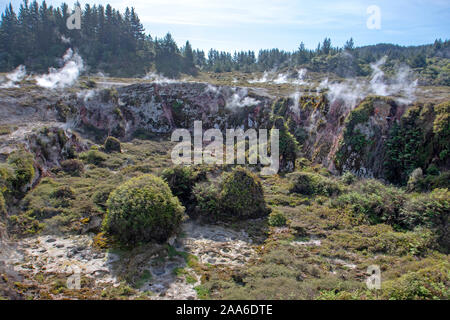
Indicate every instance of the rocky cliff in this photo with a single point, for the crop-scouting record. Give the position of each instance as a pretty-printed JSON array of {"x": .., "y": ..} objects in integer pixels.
[{"x": 342, "y": 137}]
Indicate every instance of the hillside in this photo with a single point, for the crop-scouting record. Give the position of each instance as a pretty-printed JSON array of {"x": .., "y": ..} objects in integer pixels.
[{"x": 368, "y": 185}]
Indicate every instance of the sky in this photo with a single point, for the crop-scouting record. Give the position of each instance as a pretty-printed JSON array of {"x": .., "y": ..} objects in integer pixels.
[{"x": 233, "y": 25}]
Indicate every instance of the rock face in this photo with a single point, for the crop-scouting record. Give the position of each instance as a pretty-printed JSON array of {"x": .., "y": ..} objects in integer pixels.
[
  {"x": 362, "y": 146},
  {"x": 340, "y": 136},
  {"x": 160, "y": 108},
  {"x": 52, "y": 145},
  {"x": 380, "y": 137},
  {"x": 48, "y": 145}
]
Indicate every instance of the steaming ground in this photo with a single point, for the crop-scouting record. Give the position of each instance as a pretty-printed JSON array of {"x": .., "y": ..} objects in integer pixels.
[
  {"x": 66, "y": 75},
  {"x": 402, "y": 85}
]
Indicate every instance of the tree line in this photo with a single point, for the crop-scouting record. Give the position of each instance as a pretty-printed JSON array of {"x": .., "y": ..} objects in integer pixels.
[{"x": 115, "y": 43}]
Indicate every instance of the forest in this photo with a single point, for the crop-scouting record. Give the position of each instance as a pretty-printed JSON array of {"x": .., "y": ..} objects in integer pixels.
[{"x": 116, "y": 44}]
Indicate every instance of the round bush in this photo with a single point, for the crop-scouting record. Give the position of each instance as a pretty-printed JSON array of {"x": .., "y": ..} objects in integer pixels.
[
  {"x": 181, "y": 180},
  {"x": 112, "y": 145},
  {"x": 241, "y": 195},
  {"x": 312, "y": 184},
  {"x": 143, "y": 209},
  {"x": 207, "y": 202},
  {"x": 277, "y": 219},
  {"x": 94, "y": 157},
  {"x": 22, "y": 163}
]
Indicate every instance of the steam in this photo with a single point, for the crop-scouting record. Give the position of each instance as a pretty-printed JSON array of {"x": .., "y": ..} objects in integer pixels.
[
  {"x": 65, "y": 76},
  {"x": 240, "y": 99},
  {"x": 377, "y": 81},
  {"x": 157, "y": 78},
  {"x": 296, "y": 107},
  {"x": 265, "y": 78},
  {"x": 352, "y": 91},
  {"x": 14, "y": 77},
  {"x": 281, "y": 78},
  {"x": 65, "y": 40},
  {"x": 86, "y": 95}
]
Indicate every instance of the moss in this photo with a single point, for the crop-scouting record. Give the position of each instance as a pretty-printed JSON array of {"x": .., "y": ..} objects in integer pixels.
[{"x": 202, "y": 292}]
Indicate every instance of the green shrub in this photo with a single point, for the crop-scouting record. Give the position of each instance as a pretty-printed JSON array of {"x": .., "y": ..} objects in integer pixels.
[
  {"x": 429, "y": 182},
  {"x": 72, "y": 166},
  {"x": 288, "y": 145},
  {"x": 207, "y": 204},
  {"x": 277, "y": 219},
  {"x": 101, "y": 195},
  {"x": 6, "y": 129},
  {"x": 112, "y": 145},
  {"x": 441, "y": 129},
  {"x": 433, "y": 170},
  {"x": 64, "y": 192},
  {"x": 441, "y": 181},
  {"x": 411, "y": 144},
  {"x": 415, "y": 181},
  {"x": 181, "y": 180},
  {"x": 22, "y": 164},
  {"x": 241, "y": 195},
  {"x": 431, "y": 210},
  {"x": 94, "y": 157},
  {"x": 428, "y": 283},
  {"x": 2, "y": 205},
  {"x": 313, "y": 184},
  {"x": 143, "y": 209},
  {"x": 379, "y": 203},
  {"x": 348, "y": 178}
]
